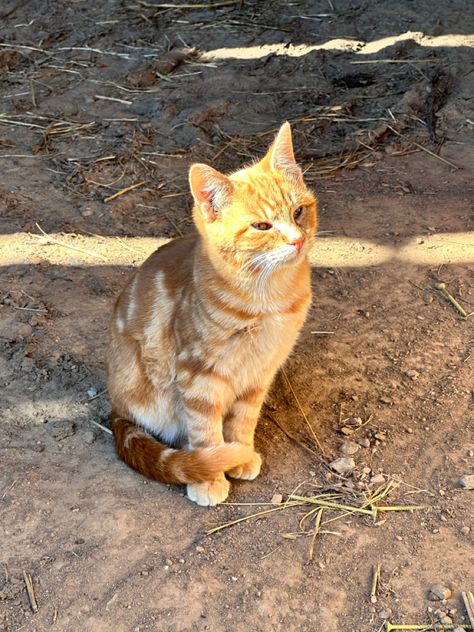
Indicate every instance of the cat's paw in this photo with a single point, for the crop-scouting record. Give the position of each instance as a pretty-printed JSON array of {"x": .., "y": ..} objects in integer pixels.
[
  {"x": 210, "y": 493},
  {"x": 247, "y": 471}
]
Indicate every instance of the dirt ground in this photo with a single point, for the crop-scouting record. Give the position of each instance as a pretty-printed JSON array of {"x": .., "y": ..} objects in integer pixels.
[{"x": 98, "y": 97}]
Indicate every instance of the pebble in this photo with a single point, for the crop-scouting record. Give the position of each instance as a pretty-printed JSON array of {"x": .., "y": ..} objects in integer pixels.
[
  {"x": 343, "y": 466},
  {"x": 439, "y": 593},
  {"x": 347, "y": 431},
  {"x": 381, "y": 436},
  {"x": 385, "y": 614},
  {"x": 412, "y": 374},
  {"x": 378, "y": 479},
  {"x": 91, "y": 392},
  {"x": 364, "y": 442},
  {"x": 88, "y": 437},
  {"x": 465, "y": 530},
  {"x": 200, "y": 549},
  {"x": 349, "y": 447},
  {"x": 63, "y": 429},
  {"x": 467, "y": 481},
  {"x": 385, "y": 400},
  {"x": 276, "y": 499},
  {"x": 24, "y": 330}
]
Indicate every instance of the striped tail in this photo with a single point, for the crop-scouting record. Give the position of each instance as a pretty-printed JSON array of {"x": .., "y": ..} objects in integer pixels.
[{"x": 159, "y": 462}]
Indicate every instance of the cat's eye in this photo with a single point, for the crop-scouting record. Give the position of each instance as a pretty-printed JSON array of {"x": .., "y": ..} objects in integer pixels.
[
  {"x": 261, "y": 226},
  {"x": 298, "y": 214}
]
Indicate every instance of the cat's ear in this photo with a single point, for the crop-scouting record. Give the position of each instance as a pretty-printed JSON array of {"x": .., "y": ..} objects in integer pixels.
[
  {"x": 281, "y": 155},
  {"x": 210, "y": 188}
]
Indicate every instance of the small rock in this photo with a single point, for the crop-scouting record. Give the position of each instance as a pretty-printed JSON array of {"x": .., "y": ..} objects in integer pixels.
[
  {"x": 446, "y": 620},
  {"x": 364, "y": 442},
  {"x": 354, "y": 421},
  {"x": 385, "y": 614},
  {"x": 385, "y": 400},
  {"x": 200, "y": 549},
  {"x": 381, "y": 436},
  {"x": 88, "y": 437},
  {"x": 276, "y": 499},
  {"x": 465, "y": 530},
  {"x": 467, "y": 481},
  {"x": 24, "y": 330},
  {"x": 343, "y": 466},
  {"x": 378, "y": 479},
  {"x": 91, "y": 392},
  {"x": 349, "y": 447},
  {"x": 347, "y": 431},
  {"x": 439, "y": 592},
  {"x": 412, "y": 374}
]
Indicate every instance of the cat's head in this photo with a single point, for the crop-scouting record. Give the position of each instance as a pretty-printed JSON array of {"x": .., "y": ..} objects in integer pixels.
[{"x": 259, "y": 218}]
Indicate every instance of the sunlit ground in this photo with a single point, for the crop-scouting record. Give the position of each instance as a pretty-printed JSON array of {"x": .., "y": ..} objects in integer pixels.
[
  {"x": 327, "y": 251},
  {"x": 358, "y": 47}
]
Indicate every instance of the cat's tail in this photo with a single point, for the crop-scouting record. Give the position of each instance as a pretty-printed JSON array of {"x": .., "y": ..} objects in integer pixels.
[{"x": 159, "y": 462}]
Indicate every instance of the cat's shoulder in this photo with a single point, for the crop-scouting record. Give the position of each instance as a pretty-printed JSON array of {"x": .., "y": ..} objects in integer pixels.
[{"x": 173, "y": 261}]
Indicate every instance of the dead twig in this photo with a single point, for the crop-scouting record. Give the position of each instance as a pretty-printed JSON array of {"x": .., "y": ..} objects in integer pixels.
[
  {"x": 122, "y": 191},
  {"x": 31, "y": 591}
]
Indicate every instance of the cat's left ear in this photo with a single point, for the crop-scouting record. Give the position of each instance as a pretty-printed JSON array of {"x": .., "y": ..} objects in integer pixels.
[
  {"x": 210, "y": 188},
  {"x": 281, "y": 155}
]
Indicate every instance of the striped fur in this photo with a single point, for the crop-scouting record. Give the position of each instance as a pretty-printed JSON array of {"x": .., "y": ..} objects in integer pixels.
[{"x": 202, "y": 327}]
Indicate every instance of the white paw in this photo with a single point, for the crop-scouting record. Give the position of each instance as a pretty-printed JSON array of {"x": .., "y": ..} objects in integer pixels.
[
  {"x": 247, "y": 471},
  {"x": 210, "y": 493}
]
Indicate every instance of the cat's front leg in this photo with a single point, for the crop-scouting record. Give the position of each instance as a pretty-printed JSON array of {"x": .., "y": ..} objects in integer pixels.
[
  {"x": 240, "y": 424},
  {"x": 203, "y": 406}
]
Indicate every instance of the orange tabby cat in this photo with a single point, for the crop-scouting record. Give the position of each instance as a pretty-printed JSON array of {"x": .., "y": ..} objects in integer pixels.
[{"x": 202, "y": 327}]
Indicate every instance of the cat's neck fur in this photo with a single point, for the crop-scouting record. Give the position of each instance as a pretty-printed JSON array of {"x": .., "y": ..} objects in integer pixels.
[{"x": 265, "y": 297}]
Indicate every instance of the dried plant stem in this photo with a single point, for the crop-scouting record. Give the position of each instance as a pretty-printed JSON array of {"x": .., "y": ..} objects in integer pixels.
[
  {"x": 125, "y": 190},
  {"x": 313, "y": 434},
  {"x": 431, "y": 153},
  {"x": 292, "y": 437},
  {"x": 52, "y": 240},
  {"x": 375, "y": 582},
  {"x": 31, "y": 591},
  {"x": 449, "y": 297},
  {"x": 468, "y": 599},
  {"x": 317, "y": 527}
]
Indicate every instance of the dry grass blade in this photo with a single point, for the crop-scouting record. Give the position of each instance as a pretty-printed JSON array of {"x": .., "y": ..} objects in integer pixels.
[
  {"x": 326, "y": 501},
  {"x": 330, "y": 505},
  {"x": 313, "y": 434},
  {"x": 317, "y": 527},
  {"x": 375, "y": 581},
  {"x": 468, "y": 599},
  {"x": 425, "y": 149},
  {"x": 31, "y": 591},
  {"x": 51, "y": 240},
  {"x": 251, "y": 516},
  {"x": 292, "y": 437}
]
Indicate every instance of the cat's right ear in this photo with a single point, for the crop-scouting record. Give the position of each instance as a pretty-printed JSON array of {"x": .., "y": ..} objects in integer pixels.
[{"x": 211, "y": 190}]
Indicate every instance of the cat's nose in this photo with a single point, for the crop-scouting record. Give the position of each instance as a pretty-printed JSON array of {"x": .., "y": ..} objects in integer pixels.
[{"x": 298, "y": 243}]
